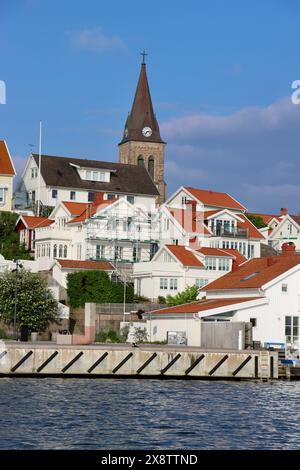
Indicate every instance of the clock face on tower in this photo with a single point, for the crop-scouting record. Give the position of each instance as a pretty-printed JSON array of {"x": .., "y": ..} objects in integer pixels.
[{"x": 147, "y": 132}]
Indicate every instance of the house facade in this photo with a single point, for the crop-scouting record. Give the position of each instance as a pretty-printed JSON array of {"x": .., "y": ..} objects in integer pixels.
[
  {"x": 79, "y": 180},
  {"x": 202, "y": 218},
  {"x": 7, "y": 174},
  {"x": 111, "y": 230},
  {"x": 263, "y": 291},
  {"x": 176, "y": 267}
]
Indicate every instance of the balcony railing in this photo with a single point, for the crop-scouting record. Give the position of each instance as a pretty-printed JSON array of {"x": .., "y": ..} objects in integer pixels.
[{"x": 235, "y": 233}]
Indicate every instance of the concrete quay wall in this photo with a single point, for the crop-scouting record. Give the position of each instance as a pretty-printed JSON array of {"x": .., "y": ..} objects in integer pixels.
[{"x": 108, "y": 360}]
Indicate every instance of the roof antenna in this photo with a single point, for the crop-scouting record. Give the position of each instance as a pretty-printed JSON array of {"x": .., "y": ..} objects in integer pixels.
[{"x": 30, "y": 148}]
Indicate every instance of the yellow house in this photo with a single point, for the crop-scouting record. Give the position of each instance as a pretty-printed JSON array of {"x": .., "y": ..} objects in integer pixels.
[{"x": 7, "y": 173}]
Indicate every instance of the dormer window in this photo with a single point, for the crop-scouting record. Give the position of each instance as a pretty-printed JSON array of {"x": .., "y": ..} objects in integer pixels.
[{"x": 94, "y": 174}]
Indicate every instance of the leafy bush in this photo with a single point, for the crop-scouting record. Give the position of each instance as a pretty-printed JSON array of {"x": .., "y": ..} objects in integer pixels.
[
  {"x": 140, "y": 335},
  {"x": 112, "y": 336},
  {"x": 95, "y": 286},
  {"x": 3, "y": 335},
  {"x": 161, "y": 299},
  {"x": 185, "y": 297},
  {"x": 141, "y": 298}
]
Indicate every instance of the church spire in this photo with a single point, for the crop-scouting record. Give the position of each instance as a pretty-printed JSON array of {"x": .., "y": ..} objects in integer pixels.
[{"x": 141, "y": 124}]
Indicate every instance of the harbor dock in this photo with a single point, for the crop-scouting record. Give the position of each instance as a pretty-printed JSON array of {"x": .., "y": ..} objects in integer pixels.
[{"x": 40, "y": 359}]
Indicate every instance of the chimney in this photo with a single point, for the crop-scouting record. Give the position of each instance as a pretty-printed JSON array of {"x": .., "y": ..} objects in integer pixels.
[
  {"x": 288, "y": 249},
  {"x": 191, "y": 205},
  {"x": 283, "y": 211},
  {"x": 99, "y": 197},
  {"x": 191, "y": 214},
  {"x": 234, "y": 266}
]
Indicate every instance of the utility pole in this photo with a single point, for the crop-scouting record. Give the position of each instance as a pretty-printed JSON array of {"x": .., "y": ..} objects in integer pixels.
[
  {"x": 39, "y": 174},
  {"x": 124, "y": 300}
]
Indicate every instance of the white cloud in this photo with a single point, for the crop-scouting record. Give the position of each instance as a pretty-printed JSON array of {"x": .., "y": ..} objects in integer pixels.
[
  {"x": 255, "y": 147},
  {"x": 95, "y": 40}
]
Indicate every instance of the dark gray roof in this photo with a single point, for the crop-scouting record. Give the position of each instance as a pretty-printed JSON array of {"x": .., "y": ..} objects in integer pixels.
[
  {"x": 266, "y": 251},
  {"x": 296, "y": 218},
  {"x": 129, "y": 179}
]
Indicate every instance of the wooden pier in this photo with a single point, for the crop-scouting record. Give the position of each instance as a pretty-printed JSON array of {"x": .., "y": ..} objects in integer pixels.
[{"x": 42, "y": 359}]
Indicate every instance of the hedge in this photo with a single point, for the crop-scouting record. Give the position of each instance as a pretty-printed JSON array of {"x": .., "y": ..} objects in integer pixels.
[{"x": 95, "y": 286}]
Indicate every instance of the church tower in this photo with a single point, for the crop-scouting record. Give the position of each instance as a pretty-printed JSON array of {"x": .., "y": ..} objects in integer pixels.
[{"x": 141, "y": 143}]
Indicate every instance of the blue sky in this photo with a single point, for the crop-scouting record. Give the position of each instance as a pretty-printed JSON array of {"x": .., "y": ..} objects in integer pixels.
[{"x": 220, "y": 74}]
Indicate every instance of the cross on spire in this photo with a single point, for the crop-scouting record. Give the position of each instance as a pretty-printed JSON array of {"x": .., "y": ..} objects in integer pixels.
[{"x": 143, "y": 54}]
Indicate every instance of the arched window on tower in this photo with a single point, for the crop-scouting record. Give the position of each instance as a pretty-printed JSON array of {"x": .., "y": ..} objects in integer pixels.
[
  {"x": 151, "y": 167},
  {"x": 140, "y": 160}
]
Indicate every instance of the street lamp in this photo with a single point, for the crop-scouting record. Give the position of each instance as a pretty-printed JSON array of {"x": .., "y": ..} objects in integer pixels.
[{"x": 18, "y": 265}]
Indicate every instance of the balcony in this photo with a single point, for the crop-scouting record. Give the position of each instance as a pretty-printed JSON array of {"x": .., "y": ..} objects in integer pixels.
[{"x": 235, "y": 233}]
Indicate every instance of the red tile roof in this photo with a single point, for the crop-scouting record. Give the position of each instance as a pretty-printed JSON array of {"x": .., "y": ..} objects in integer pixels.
[
  {"x": 185, "y": 256},
  {"x": 6, "y": 164},
  {"x": 209, "y": 213},
  {"x": 216, "y": 199},
  {"x": 189, "y": 222},
  {"x": 226, "y": 252},
  {"x": 253, "y": 232},
  {"x": 254, "y": 273},
  {"x": 203, "y": 305},
  {"x": 240, "y": 259},
  {"x": 75, "y": 208},
  {"x": 77, "y": 264},
  {"x": 35, "y": 222},
  {"x": 91, "y": 209},
  {"x": 207, "y": 251}
]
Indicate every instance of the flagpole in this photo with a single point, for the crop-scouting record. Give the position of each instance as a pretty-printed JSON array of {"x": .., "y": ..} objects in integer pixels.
[{"x": 40, "y": 163}]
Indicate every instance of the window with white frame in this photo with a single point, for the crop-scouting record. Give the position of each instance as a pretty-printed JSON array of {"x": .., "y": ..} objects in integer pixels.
[
  {"x": 136, "y": 253},
  {"x": 173, "y": 283},
  {"x": 34, "y": 172},
  {"x": 224, "y": 264},
  {"x": 100, "y": 251},
  {"x": 211, "y": 264},
  {"x": 200, "y": 282},
  {"x": 184, "y": 200},
  {"x": 163, "y": 283},
  {"x": 2, "y": 196},
  {"x": 54, "y": 193},
  {"x": 167, "y": 257},
  {"x": 292, "y": 329},
  {"x": 284, "y": 287},
  {"x": 79, "y": 251}
]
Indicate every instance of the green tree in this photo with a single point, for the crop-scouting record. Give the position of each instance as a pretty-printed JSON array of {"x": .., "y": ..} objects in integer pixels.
[
  {"x": 36, "y": 306},
  {"x": 256, "y": 220},
  {"x": 185, "y": 297},
  {"x": 10, "y": 246}
]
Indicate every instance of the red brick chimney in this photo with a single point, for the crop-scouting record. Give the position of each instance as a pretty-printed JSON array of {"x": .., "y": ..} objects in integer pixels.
[
  {"x": 191, "y": 207},
  {"x": 283, "y": 211},
  {"x": 99, "y": 197},
  {"x": 234, "y": 266},
  {"x": 270, "y": 261},
  {"x": 288, "y": 249}
]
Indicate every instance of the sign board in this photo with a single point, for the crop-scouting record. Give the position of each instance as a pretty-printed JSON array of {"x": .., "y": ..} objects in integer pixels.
[{"x": 176, "y": 337}]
